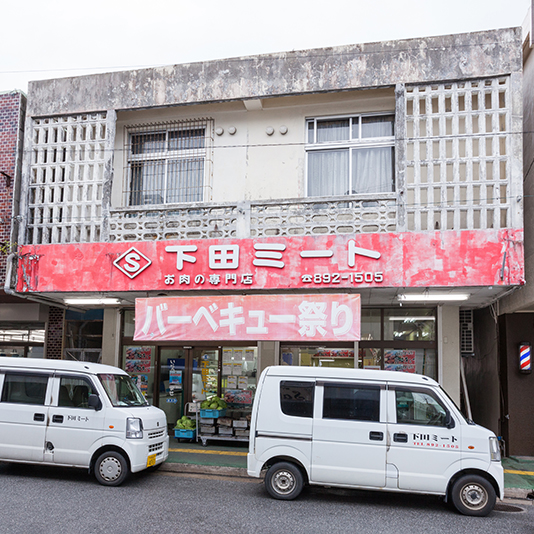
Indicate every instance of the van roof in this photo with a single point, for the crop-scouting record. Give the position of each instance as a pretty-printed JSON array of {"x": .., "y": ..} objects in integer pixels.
[
  {"x": 43, "y": 364},
  {"x": 354, "y": 374}
]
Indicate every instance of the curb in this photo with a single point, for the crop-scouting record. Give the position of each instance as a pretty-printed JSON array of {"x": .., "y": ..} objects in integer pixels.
[
  {"x": 195, "y": 469},
  {"x": 510, "y": 494},
  {"x": 518, "y": 493}
]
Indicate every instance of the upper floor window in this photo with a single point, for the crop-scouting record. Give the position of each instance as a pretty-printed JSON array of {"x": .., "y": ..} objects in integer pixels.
[
  {"x": 168, "y": 164},
  {"x": 350, "y": 155}
]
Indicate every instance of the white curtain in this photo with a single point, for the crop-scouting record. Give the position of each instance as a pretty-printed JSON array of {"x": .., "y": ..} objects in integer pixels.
[
  {"x": 336, "y": 130},
  {"x": 377, "y": 126},
  {"x": 328, "y": 173},
  {"x": 372, "y": 170},
  {"x": 185, "y": 180}
]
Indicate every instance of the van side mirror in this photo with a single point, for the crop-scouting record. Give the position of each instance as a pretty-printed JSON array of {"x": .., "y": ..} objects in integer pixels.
[
  {"x": 449, "y": 421},
  {"x": 94, "y": 402}
]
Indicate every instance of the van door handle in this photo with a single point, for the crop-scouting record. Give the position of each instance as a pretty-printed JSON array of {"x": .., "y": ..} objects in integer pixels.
[
  {"x": 57, "y": 419},
  {"x": 400, "y": 438},
  {"x": 376, "y": 436},
  {"x": 38, "y": 417}
]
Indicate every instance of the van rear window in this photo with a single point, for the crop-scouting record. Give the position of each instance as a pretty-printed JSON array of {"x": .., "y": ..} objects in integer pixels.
[
  {"x": 24, "y": 389},
  {"x": 296, "y": 398}
]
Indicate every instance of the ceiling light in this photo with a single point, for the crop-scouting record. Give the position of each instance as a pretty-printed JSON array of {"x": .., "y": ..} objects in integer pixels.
[
  {"x": 92, "y": 301},
  {"x": 409, "y": 318},
  {"x": 433, "y": 297}
]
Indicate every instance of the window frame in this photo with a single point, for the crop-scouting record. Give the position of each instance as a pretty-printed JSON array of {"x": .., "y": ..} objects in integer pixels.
[
  {"x": 85, "y": 379},
  {"x": 199, "y": 151},
  {"x": 351, "y": 144},
  {"x": 430, "y": 393},
  {"x": 298, "y": 383},
  {"x": 46, "y": 376},
  {"x": 356, "y": 386}
]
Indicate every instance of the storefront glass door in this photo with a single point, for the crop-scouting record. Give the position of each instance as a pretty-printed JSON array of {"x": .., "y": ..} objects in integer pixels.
[
  {"x": 171, "y": 382},
  {"x": 186, "y": 374}
]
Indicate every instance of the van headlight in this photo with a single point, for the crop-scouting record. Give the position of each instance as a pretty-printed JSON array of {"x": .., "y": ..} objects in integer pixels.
[
  {"x": 495, "y": 450},
  {"x": 134, "y": 428}
]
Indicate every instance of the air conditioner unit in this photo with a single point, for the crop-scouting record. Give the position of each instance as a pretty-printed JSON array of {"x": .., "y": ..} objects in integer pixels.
[{"x": 467, "y": 344}]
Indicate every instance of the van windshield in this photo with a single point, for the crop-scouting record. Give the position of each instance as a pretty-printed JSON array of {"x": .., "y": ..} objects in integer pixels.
[{"x": 122, "y": 391}]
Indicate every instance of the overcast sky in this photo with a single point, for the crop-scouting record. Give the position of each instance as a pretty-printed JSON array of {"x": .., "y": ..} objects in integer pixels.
[{"x": 61, "y": 38}]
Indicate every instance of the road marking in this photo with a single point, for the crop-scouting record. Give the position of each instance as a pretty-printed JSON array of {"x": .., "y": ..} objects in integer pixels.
[
  {"x": 199, "y": 451},
  {"x": 513, "y": 472}
]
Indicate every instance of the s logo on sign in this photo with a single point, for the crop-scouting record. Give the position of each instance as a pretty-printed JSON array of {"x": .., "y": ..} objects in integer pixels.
[{"x": 132, "y": 262}]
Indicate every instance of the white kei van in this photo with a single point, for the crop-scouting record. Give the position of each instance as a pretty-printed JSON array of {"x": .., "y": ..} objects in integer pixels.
[
  {"x": 366, "y": 429},
  {"x": 78, "y": 414}
]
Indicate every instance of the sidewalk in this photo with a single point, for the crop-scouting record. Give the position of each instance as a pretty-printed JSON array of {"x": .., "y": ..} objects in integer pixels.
[
  {"x": 230, "y": 459},
  {"x": 518, "y": 477}
]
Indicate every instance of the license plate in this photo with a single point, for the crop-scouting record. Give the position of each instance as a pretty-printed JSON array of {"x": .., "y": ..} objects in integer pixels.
[{"x": 151, "y": 460}]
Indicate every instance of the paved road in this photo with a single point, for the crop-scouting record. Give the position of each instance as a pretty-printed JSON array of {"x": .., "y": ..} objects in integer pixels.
[{"x": 37, "y": 500}]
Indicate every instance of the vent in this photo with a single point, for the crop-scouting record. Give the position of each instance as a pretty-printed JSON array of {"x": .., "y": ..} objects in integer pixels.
[{"x": 466, "y": 332}]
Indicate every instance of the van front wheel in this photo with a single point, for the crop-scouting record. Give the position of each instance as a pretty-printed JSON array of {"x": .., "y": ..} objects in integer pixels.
[
  {"x": 284, "y": 480},
  {"x": 473, "y": 495},
  {"x": 111, "y": 468}
]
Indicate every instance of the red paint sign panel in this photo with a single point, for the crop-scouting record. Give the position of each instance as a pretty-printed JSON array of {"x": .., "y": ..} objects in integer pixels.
[
  {"x": 319, "y": 317},
  {"x": 423, "y": 259}
]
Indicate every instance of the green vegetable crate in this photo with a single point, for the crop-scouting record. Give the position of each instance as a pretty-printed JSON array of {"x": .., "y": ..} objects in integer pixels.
[{"x": 212, "y": 413}]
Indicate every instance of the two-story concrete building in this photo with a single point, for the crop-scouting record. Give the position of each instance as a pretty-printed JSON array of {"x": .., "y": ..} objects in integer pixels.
[{"x": 347, "y": 206}]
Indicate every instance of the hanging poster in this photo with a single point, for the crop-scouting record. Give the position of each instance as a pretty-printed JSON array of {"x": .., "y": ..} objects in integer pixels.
[
  {"x": 175, "y": 374},
  {"x": 399, "y": 360},
  {"x": 138, "y": 359},
  {"x": 232, "y": 382},
  {"x": 141, "y": 382},
  {"x": 316, "y": 317}
]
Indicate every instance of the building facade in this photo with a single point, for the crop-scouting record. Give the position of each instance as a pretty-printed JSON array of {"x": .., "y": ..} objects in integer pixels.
[
  {"x": 501, "y": 390},
  {"x": 23, "y": 323},
  {"x": 348, "y": 206}
]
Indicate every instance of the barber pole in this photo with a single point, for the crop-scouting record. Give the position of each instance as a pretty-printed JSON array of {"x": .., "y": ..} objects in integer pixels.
[{"x": 524, "y": 358}]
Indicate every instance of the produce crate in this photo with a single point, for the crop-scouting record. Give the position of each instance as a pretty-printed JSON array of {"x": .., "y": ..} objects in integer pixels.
[
  {"x": 185, "y": 434},
  {"x": 208, "y": 420},
  {"x": 212, "y": 413},
  {"x": 240, "y": 423},
  {"x": 207, "y": 429},
  {"x": 224, "y": 421},
  {"x": 226, "y": 431}
]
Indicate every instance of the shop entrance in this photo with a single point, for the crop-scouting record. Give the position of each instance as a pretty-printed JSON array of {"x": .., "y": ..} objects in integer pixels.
[{"x": 185, "y": 374}]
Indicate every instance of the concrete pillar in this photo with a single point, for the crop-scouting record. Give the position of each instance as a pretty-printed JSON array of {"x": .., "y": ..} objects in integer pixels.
[
  {"x": 268, "y": 352},
  {"x": 449, "y": 350},
  {"x": 111, "y": 337}
]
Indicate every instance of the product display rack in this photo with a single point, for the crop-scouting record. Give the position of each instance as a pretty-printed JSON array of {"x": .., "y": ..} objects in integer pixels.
[{"x": 204, "y": 437}]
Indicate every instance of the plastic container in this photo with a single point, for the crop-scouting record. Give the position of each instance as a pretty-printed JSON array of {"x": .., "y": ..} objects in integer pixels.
[
  {"x": 212, "y": 413},
  {"x": 184, "y": 434}
]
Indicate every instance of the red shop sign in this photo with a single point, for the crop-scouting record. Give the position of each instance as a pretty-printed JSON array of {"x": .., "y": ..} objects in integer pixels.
[
  {"x": 319, "y": 317},
  {"x": 410, "y": 259}
]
